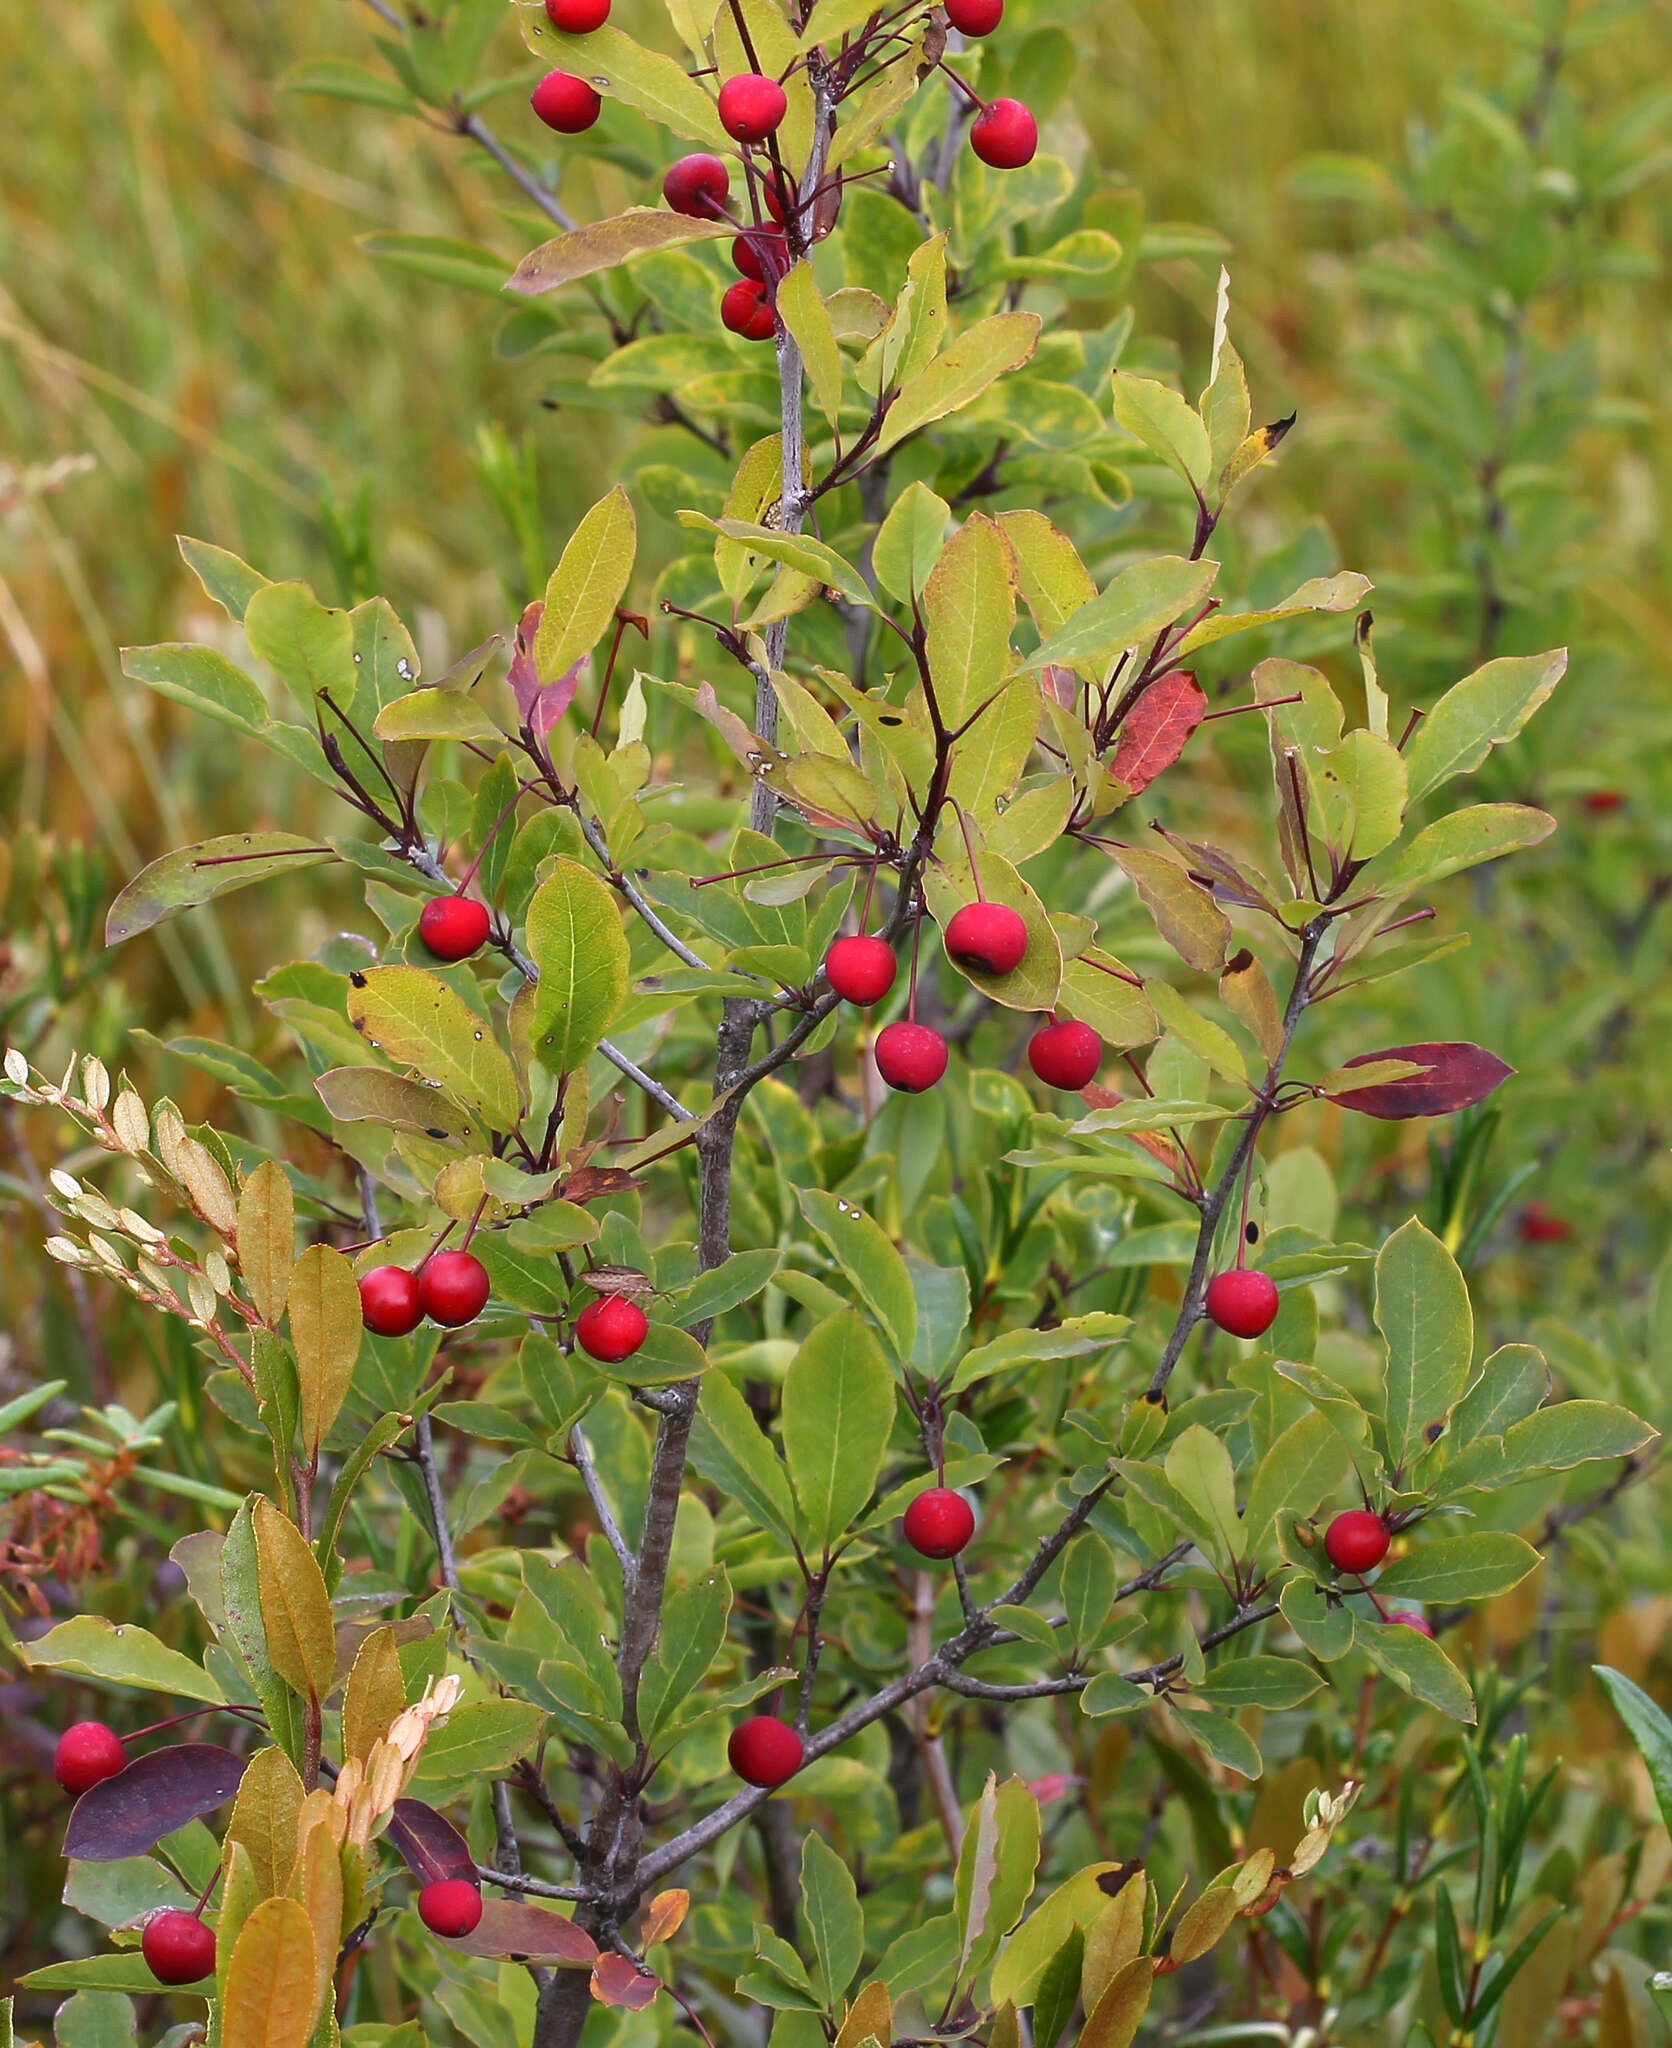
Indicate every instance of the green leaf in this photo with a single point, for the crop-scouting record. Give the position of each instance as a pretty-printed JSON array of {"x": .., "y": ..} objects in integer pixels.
[
  {"x": 1168, "y": 425},
  {"x": 830, "y": 1908},
  {"x": 1339, "y": 593},
  {"x": 1304, "y": 1466},
  {"x": 416, "y": 1019},
  {"x": 1477, "y": 1566},
  {"x": 1477, "y": 714},
  {"x": 126, "y": 1972},
  {"x": 1462, "y": 840},
  {"x": 837, "y": 1415},
  {"x": 803, "y": 551},
  {"x": 480, "y": 1740},
  {"x": 442, "y": 259},
  {"x": 587, "y": 585},
  {"x": 979, "y": 357},
  {"x": 802, "y": 309},
  {"x": 1131, "y": 609},
  {"x": 995, "y": 1870},
  {"x": 1417, "y": 1665},
  {"x": 1325, "y": 1627},
  {"x": 728, "y": 1449},
  {"x": 1422, "y": 1309},
  {"x": 1512, "y": 1384},
  {"x": 656, "y": 85},
  {"x": 198, "y": 874},
  {"x": 437, "y": 714},
  {"x": 1275, "y": 1683},
  {"x": 1208, "y": 1040},
  {"x": 969, "y": 605},
  {"x": 1185, "y": 914},
  {"x": 1574, "y": 1433},
  {"x": 1088, "y": 1586},
  {"x": 737, "y": 1279},
  {"x": 230, "y": 582},
  {"x": 693, "y": 1631},
  {"x": 1035, "y": 982},
  {"x": 576, "y": 941},
  {"x": 122, "y": 1654},
  {"x": 202, "y": 679},
  {"x": 1225, "y": 1740},
  {"x": 1199, "y": 1466},
  {"x": 1649, "y": 1729},
  {"x": 870, "y": 1261},
  {"x": 1071, "y": 1338},
  {"x": 910, "y": 539},
  {"x": 308, "y": 645}
]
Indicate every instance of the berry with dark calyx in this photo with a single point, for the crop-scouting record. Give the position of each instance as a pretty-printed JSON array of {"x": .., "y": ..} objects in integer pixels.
[
  {"x": 939, "y": 1522},
  {"x": 453, "y": 1288},
  {"x": 861, "y": 970},
  {"x": 178, "y": 1947},
  {"x": 751, "y": 107},
  {"x": 990, "y": 937},
  {"x": 759, "y": 252},
  {"x": 566, "y": 103},
  {"x": 909, "y": 1057},
  {"x": 389, "y": 1301},
  {"x": 611, "y": 1328},
  {"x": 577, "y": 17},
  {"x": 765, "y": 1751},
  {"x": 450, "y": 1907},
  {"x": 86, "y": 1755},
  {"x": 1356, "y": 1541},
  {"x": 453, "y": 927},
  {"x": 697, "y": 185},
  {"x": 1005, "y": 135},
  {"x": 975, "y": 17},
  {"x": 744, "y": 309},
  {"x": 1065, "y": 1055},
  {"x": 1408, "y": 1617},
  {"x": 1242, "y": 1301}
]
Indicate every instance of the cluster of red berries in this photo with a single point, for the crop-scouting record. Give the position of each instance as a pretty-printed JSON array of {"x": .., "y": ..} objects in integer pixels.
[{"x": 451, "y": 1288}]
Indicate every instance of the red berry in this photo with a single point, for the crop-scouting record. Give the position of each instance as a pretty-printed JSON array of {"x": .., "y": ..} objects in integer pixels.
[
  {"x": 975, "y": 17},
  {"x": 990, "y": 937},
  {"x": 390, "y": 1304},
  {"x": 861, "y": 971},
  {"x": 451, "y": 1906},
  {"x": 578, "y": 17},
  {"x": 453, "y": 927},
  {"x": 744, "y": 309},
  {"x": 1356, "y": 1541},
  {"x": 910, "y": 1057},
  {"x": 611, "y": 1328},
  {"x": 1243, "y": 1301},
  {"x": 1538, "y": 1225},
  {"x": 1065, "y": 1055},
  {"x": 760, "y": 252},
  {"x": 1602, "y": 801},
  {"x": 751, "y": 107},
  {"x": 1408, "y": 1617},
  {"x": 765, "y": 1751},
  {"x": 566, "y": 103},
  {"x": 86, "y": 1755},
  {"x": 939, "y": 1523},
  {"x": 177, "y": 1945},
  {"x": 698, "y": 185},
  {"x": 1005, "y": 135},
  {"x": 781, "y": 196},
  {"x": 453, "y": 1288}
]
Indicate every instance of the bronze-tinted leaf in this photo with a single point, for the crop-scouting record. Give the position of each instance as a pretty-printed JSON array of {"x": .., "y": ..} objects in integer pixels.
[
  {"x": 1154, "y": 732},
  {"x": 1458, "y": 1076},
  {"x": 130, "y": 1813},
  {"x": 429, "y": 1844},
  {"x": 517, "y": 1930},
  {"x": 617, "y": 1980}
]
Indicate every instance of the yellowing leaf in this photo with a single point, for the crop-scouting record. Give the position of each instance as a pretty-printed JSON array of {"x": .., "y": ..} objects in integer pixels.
[
  {"x": 586, "y": 586},
  {"x": 979, "y": 357},
  {"x": 264, "y": 1818},
  {"x": 375, "y": 1694},
  {"x": 418, "y": 1021},
  {"x": 602, "y": 244},
  {"x": 969, "y": 605},
  {"x": 325, "y": 1330},
  {"x": 267, "y": 1238},
  {"x": 802, "y": 309},
  {"x": 271, "y": 1980},
  {"x": 318, "y": 1888},
  {"x": 295, "y": 1608}
]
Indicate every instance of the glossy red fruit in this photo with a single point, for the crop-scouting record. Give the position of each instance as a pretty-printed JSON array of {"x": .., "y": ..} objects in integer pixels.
[
  {"x": 1243, "y": 1301},
  {"x": 1408, "y": 1617},
  {"x": 765, "y": 1751},
  {"x": 611, "y": 1328},
  {"x": 453, "y": 927},
  {"x": 861, "y": 971},
  {"x": 179, "y": 1948},
  {"x": 939, "y": 1522},
  {"x": 975, "y": 17},
  {"x": 1356, "y": 1541},
  {"x": 744, "y": 309},
  {"x": 577, "y": 17},
  {"x": 453, "y": 1288},
  {"x": 86, "y": 1755},
  {"x": 389, "y": 1301},
  {"x": 698, "y": 185},
  {"x": 565, "y": 102},
  {"x": 910, "y": 1057},
  {"x": 1005, "y": 136},
  {"x": 759, "y": 252},
  {"x": 451, "y": 1906},
  {"x": 1065, "y": 1055},
  {"x": 751, "y": 107},
  {"x": 990, "y": 937},
  {"x": 780, "y": 195}
]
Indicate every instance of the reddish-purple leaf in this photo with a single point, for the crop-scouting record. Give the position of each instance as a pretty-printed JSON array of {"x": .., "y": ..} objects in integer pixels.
[
  {"x": 617, "y": 1980},
  {"x": 157, "y": 1793},
  {"x": 1458, "y": 1076},
  {"x": 1154, "y": 731},
  {"x": 539, "y": 704},
  {"x": 429, "y": 1844},
  {"x": 518, "y": 1931}
]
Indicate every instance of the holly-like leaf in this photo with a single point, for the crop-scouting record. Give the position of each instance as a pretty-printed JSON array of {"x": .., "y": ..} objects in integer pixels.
[
  {"x": 158, "y": 1793},
  {"x": 198, "y": 874},
  {"x": 1455, "y": 1075},
  {"x": 416, "y": 1019}
]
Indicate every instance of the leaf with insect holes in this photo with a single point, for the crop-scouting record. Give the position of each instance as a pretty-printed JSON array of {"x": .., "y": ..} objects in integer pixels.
[
  {"x": 867, "y": 1255},
  {"x": 416, "y": 1019},
  {"x": 157, "y": 1793},
  {"x": 1154, "y": 731},
  {"x": 1456, "y": 1075},
  {"x": 198, "y": 874}
]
